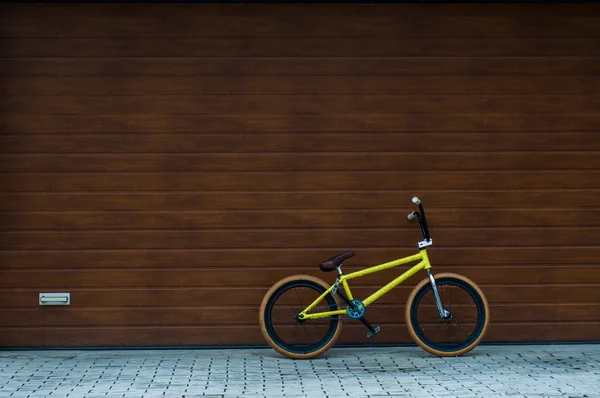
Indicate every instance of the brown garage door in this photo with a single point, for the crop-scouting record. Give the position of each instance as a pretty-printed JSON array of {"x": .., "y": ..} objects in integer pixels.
[{"x": 165, "y": 164}]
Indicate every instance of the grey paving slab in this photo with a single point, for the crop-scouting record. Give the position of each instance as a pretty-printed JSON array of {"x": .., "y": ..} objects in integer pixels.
[{"x": 488, "y": 371}]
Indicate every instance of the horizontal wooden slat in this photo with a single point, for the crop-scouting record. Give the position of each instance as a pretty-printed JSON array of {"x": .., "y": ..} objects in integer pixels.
[
  {"x": 202, "y": 182},
  {"x": 526, "y": 65},
  {"x": 303, "y": 47},
  {"x": 172, "y": 277},
  {"x": 44, "y": 316},
  {"x": 332, "y": 161},
  {"x": 292, "y": 238},
  {"x": 285, "y": 258},
  {"x": 298, "y": 85},
  {"x": 562, "y": 312},
  {"x": 207, "y": 335},
  {"x": 499, "y": 199},
  {"x": 306, "y": 12},
  {"x": 400, "y": 25},
  {"x": 299, "y": 104},
  {"x": 390, "y": 21},
  {"x": 273, "y": 123},
  {"x": 170, "y": 297},
  {"x": 304, "y": 142},
  {"x": 15, "y": 337},
  {"x": 359, "y": 218}
]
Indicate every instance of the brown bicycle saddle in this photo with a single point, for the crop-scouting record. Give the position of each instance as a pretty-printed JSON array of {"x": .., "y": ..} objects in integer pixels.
[{"x": 335, "y": 261}]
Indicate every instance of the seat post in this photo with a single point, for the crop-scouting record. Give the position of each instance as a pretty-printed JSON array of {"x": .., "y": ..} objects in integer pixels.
[{"x": 339, "y": 269}]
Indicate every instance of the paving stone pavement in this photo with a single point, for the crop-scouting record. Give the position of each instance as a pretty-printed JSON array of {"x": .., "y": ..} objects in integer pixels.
[{"x": 488, "y": 371}]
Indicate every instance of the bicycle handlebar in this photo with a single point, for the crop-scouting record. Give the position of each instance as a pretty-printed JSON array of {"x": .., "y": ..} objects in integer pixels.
[
  {"x": 421, "y": 216},
  {"x": 414, "y": 214}
]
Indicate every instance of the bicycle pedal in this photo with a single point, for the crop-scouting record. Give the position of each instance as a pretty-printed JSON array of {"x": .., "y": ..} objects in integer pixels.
[{"x": 370, "y": 334}]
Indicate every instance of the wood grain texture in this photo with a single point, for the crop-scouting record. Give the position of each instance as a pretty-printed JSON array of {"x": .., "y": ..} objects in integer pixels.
[
  {"x": 189, "y": 66},
  {"x": 301, "y": 85},
  {"x": 396, "y": 21},
  {"x": 285, "y": 238},
  {"x": 255, "y": 200},
  {"x": 303, "y": 47},
  {"x": 494, "y": 162},
  {"x": 296, "y": 181},
  {"x": 231, "y": 122},
  {"x": 285, "y": 258},
  {"x": 300, "y": 104},
  {"x": 297, "y": 142},
  {"x": 173, "y": 277},
  {"x": 165, "y": 165},
  {"x": 306, "y": 219}
]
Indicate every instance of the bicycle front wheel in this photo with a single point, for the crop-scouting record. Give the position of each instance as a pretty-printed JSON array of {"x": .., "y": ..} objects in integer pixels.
[
  {"x": 456, "y": 334},
  {"x": 294, "y": 338}
]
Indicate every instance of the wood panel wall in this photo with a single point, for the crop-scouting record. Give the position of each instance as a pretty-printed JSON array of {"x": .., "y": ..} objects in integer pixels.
[{"x": 165, "y": 164}]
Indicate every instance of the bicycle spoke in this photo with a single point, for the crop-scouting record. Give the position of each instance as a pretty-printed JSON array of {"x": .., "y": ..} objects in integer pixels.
[
  {"x": 298, "y": 294},
  {"x": 461, "y": 328}
]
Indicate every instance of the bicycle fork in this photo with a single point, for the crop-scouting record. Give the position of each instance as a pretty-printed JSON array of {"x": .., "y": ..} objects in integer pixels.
[{"x": 443, "y": 313}]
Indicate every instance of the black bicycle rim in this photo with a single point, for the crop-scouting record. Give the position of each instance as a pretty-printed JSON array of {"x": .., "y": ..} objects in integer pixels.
[
  {"x": 292, "y": 348},
  {"x": 449, "y": 347}
]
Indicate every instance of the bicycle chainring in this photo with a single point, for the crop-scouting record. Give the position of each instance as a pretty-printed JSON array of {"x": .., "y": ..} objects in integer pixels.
[{"x": 357, "y": 310}]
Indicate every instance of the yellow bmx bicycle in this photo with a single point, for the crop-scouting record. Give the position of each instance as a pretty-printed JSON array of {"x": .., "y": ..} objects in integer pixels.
[{"x": 446, "y": 315}]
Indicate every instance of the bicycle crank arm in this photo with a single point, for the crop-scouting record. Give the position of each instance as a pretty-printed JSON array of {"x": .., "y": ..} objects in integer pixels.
[
  {"x": 346, "y": 299},
  {"x": 373, "y": 330},
  {"x": 370, "y": 334}
]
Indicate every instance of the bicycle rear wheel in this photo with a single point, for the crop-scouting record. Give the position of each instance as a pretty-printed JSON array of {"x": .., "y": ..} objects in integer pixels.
[
  {"x": 462, "y": 330},
  {"x": 298, "y": 339}
]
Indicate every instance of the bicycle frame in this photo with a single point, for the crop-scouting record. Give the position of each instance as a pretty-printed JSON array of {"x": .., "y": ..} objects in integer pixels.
[{"x": 343, "y": 280}]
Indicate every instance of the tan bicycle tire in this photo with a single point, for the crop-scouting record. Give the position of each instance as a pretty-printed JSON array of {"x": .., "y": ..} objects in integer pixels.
[
  {"x": 263, "y": 327},
  {"x": 415, "y": 336}
]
